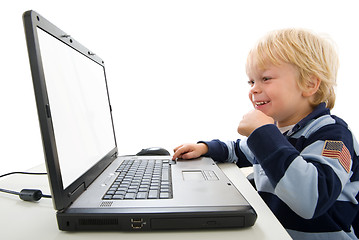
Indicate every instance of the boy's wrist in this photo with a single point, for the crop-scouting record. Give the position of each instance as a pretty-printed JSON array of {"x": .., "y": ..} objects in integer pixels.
[{"x": 203, "y": 148}]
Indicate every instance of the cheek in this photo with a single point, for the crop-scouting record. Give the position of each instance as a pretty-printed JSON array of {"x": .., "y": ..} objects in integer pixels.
[{"x": 277, "y": 93}]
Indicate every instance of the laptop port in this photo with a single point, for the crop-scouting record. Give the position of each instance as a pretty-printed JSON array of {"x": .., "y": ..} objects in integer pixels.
[
  {"x": 136, "y": 220},
  {"x": 137, "y": 223}
]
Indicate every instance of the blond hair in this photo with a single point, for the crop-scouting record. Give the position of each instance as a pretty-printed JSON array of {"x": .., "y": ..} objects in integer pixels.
[{"x": 311, "y": 54}]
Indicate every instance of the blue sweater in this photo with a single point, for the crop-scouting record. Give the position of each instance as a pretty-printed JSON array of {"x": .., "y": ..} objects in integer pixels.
[{"x": 308, "y": 176}]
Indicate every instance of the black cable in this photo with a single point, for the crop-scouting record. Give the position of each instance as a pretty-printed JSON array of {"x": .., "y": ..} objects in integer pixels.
[
  {"x": 26, "y": 194},
  {"x": 9, "y": 191},
  {"x": 29, "y": 173}
]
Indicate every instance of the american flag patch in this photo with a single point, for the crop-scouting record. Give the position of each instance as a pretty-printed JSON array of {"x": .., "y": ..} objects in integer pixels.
[{"x": 338, "y": 150}]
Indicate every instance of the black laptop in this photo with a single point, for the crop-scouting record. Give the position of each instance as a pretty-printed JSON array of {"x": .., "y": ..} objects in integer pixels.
[{"x": 92, "y": 187}]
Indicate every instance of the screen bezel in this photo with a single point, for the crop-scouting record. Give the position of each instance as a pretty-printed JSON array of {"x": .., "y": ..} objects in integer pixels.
[{"x": 62, "y": 197}]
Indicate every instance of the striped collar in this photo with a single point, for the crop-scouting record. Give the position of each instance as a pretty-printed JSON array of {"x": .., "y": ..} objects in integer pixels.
[{"x": 319, "y": 111}]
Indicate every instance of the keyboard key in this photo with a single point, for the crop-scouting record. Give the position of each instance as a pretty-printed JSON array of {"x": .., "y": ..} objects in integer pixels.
[
  {"x": 120, "y": 193},
  {"x": 141, "y": 195},
  {"x": 117, "y": 196},
  {"x": 152, "y": 194},
  {"x": 164, "y": 195},
  {"x": 107, "y": 197},
  {"x": 130, "y": 195}
]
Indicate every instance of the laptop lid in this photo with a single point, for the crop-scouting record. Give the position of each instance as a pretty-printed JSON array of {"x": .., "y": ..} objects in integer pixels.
[{"x": 76, "y": 122}]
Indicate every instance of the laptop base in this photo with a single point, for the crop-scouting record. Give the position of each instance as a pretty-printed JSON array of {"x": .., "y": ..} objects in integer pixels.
[{"x": 193, "y": 219}]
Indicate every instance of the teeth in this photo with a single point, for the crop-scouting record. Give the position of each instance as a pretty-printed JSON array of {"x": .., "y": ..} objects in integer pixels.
[{"x": 261, "y": 103}]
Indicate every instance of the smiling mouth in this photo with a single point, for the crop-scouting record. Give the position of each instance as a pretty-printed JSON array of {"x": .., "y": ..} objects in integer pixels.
[{"x": 258, "y": 104}]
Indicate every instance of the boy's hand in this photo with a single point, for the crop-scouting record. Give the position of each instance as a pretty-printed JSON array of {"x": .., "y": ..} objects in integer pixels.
[
  {"x": 253, "y": 120},
  {"x": 190, "y": 150}
]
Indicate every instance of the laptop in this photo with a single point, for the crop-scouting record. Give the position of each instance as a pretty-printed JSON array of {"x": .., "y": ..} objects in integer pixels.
[{"x": 93, "y": 188}]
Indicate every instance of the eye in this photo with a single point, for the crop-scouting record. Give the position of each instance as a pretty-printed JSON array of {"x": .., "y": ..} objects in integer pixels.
[
  {"x": 266, "y": 78},
  {"x": 251, "y": 83}
]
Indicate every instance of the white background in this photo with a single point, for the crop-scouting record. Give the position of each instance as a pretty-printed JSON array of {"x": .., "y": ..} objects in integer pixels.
[{"x": 175, "y": 68}]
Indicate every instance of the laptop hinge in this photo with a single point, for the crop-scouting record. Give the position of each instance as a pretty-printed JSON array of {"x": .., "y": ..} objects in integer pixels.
[{"x": 77, "y": 192}]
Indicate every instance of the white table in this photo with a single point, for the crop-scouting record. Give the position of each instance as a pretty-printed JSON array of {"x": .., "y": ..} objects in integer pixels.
[{"x": 27, "y": 220}]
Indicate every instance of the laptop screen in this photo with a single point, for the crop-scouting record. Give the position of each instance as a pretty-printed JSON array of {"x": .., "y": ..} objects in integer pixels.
[{"x": 79, "y": 105}]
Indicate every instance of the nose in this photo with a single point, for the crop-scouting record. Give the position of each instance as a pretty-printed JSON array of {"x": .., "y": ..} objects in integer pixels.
[{"x": 255, "y": 88}]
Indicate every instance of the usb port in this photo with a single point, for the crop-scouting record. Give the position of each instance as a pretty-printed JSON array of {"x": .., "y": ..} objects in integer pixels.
[
  {"x": 137, "y": 225},
  {"x": 136, "y": 220}
]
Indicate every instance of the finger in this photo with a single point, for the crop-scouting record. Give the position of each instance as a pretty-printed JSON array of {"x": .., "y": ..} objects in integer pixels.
[
  {"x": 175, "y": 149},
  {"x": 189, "y": 155},
  {"x": 179, "y": 152}
]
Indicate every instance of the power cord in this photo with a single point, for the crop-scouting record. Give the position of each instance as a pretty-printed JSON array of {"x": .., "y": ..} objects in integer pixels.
[{"x": 30, "y": 195}]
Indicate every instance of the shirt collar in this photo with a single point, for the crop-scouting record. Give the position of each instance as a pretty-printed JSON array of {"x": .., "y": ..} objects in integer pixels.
[{"x": 319, "y": 111}]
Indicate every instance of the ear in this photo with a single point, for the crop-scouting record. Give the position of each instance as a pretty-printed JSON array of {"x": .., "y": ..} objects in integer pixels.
[{"x": 312, "y": 87}]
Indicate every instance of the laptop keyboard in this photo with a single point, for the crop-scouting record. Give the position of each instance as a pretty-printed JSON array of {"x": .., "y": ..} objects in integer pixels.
[{"x": 141, "y": 179}]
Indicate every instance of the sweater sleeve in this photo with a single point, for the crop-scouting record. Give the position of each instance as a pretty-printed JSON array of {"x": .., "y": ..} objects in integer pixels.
[
  {"x": 230, "y": 151},
  {"x": 309, "y": 182}
]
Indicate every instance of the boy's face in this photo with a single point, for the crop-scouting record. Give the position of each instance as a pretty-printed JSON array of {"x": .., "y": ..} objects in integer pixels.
[{"x": 275, "y": 92}]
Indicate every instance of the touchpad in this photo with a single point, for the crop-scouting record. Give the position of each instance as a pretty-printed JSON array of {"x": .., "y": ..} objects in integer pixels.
[
  {"x": 199, "y": 175},
  {"x": 194, "y": 175}
]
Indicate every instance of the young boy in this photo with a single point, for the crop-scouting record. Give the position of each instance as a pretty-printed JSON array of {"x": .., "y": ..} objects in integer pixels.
[{"x": 304, "y": 159}]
